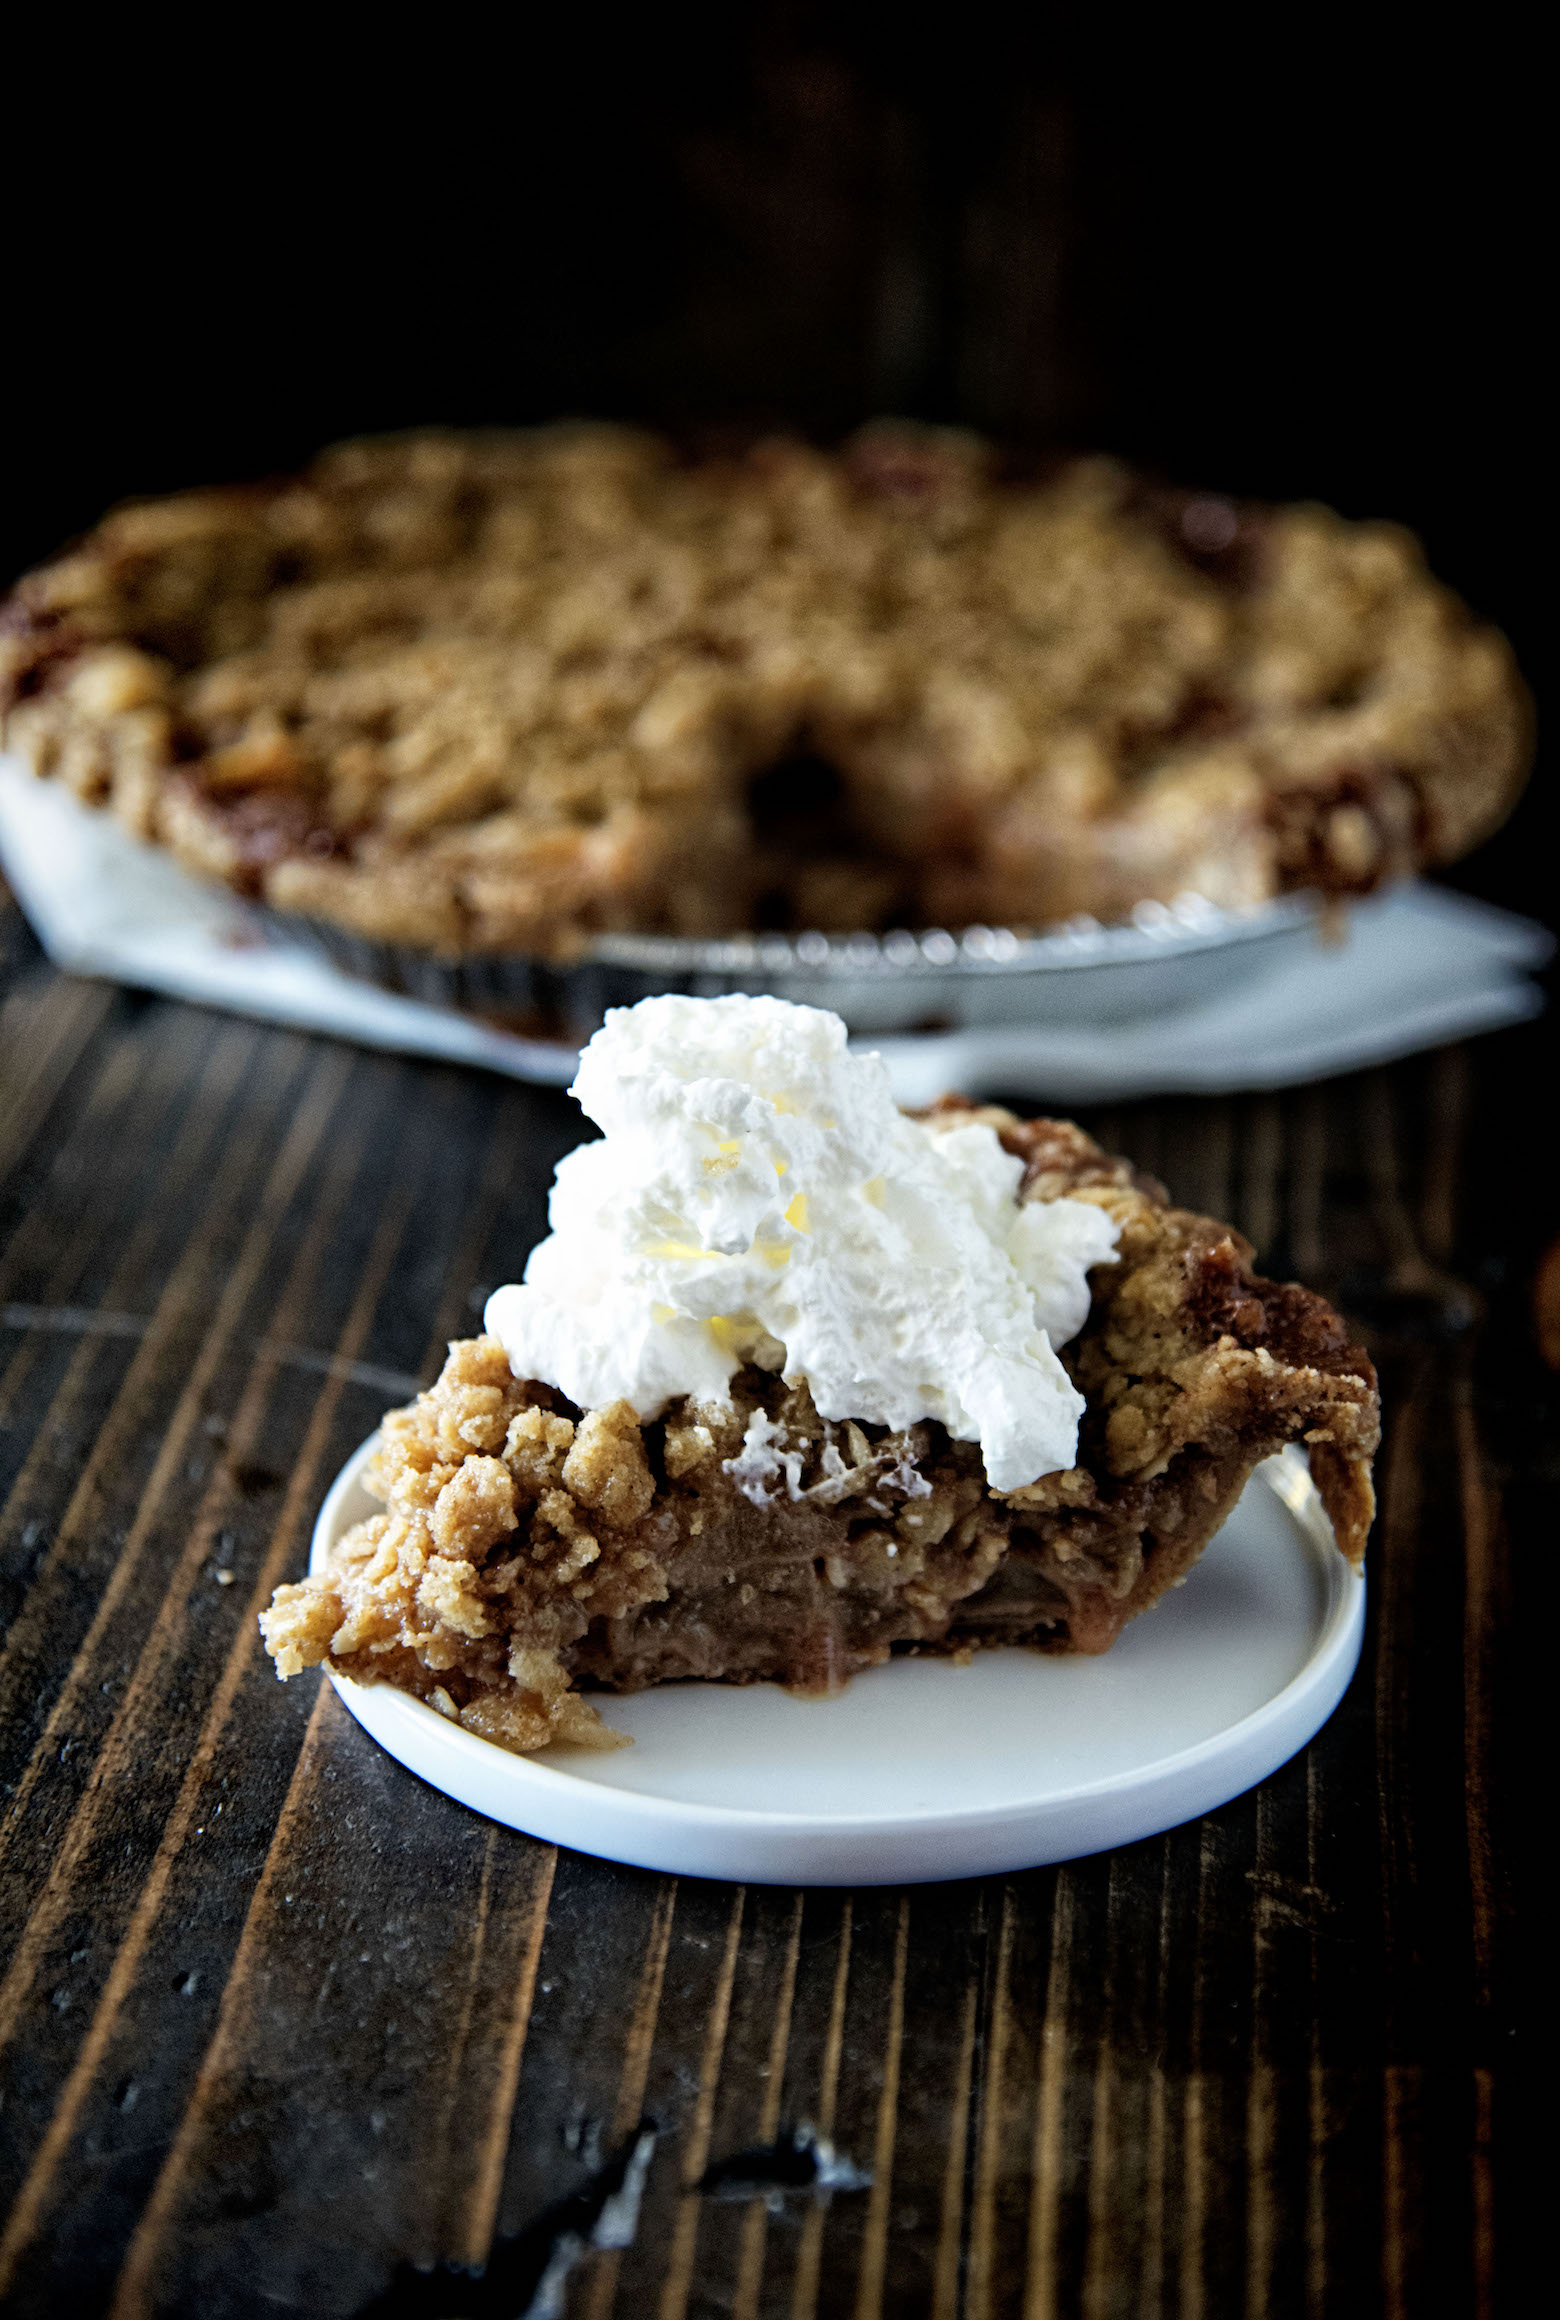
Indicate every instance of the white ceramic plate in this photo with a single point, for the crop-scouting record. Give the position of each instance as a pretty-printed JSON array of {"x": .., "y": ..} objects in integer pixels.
[{"x": 923, "y": 1769}]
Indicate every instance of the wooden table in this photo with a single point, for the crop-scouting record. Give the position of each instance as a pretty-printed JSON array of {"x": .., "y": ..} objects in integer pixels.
[{"x": 280, "y": 2024}]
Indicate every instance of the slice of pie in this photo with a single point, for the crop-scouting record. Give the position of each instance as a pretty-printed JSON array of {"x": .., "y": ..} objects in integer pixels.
[{"x": 534, "y": 1550}]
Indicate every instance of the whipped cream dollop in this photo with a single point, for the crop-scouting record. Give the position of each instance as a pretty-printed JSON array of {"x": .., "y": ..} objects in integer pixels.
[{"x": 758, "y": 1196}]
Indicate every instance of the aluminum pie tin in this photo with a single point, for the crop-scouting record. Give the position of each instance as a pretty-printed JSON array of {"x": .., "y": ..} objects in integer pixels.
[{"x": 1165, "y": 958}]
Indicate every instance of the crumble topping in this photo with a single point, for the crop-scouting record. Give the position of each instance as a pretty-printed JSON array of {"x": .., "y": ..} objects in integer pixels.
[
  {"x": 496, "y": 693},
  {"x": 762, "y": 1470}
]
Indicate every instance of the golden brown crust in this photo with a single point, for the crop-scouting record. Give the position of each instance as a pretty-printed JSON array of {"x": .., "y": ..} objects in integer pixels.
[
  {"x": 1186, "y": 1344},
  {"x": 528, "y": 1547},
  {"x": 487, "y": 694}
]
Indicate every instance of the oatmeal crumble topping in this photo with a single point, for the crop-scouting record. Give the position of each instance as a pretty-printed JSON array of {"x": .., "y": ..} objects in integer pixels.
[
  {"x": 529, "y": 1548},
  {"x": 496, "y": 693}
]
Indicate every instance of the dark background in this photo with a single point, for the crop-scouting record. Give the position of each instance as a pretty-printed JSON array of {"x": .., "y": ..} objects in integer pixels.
[{"x": 1289, "y": 255}]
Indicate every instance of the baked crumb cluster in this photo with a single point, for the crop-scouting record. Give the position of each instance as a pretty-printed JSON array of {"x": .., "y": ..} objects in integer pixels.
[
  {"x": 528, "y": 1548},
  {"x": 495, "y": 693},
  {"x": 488, "y": 1555}
]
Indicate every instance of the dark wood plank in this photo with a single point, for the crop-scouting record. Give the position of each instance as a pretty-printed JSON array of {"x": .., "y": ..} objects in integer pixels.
[{"x": 278, "y": 2025}]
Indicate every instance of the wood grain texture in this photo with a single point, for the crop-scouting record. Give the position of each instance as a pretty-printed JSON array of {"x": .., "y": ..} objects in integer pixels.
[{"x": 279, "y": 2025}]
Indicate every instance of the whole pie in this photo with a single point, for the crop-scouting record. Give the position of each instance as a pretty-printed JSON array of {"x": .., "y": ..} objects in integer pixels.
[
  {"x": 495, "y": 694},
  {"x": 533, "y": 1551}
]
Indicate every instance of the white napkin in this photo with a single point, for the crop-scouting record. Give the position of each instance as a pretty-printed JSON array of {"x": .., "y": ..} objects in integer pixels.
[{"x": 1416, "y": 967}]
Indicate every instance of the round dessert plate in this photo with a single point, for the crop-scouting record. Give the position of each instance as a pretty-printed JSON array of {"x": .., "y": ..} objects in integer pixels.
[{"x": 925, "y": 1769}]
